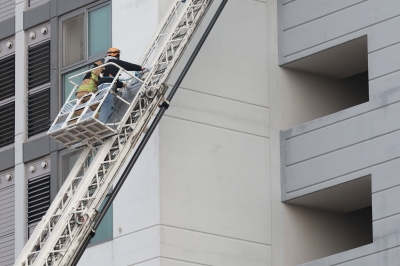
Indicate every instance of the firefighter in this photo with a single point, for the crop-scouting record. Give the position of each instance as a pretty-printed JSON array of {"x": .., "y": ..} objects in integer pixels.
[{"x": 109, "y": 72}]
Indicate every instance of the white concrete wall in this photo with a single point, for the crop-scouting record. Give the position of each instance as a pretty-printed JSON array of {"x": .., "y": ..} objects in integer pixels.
[{"x": 215, "y": 149}]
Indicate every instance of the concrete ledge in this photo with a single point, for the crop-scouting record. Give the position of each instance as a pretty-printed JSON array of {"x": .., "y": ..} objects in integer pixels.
[
  {"x": 7, "y": 158},
  {"x": 337, "y": 148},
  {"x": 7, "y": 28}
]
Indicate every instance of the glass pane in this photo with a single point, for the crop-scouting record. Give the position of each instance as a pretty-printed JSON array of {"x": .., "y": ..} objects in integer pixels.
[
  {"x": 68, "y": 161},
  {"x": 105, "y": 230},
  {"x": 73, "y": 40},
  {"x": 99, "y": 30},
  {"x": 68, "y": 86}
]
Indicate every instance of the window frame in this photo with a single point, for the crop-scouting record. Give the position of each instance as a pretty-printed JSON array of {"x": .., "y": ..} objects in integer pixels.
[{"x": 88, "y": 59}]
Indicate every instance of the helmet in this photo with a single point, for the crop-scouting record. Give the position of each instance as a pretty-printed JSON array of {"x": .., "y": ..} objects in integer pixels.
[{"x": 113, "y": 51}]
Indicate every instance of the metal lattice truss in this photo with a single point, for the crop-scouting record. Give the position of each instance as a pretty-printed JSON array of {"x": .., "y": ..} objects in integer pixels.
[{"x": 70, "y": 217}]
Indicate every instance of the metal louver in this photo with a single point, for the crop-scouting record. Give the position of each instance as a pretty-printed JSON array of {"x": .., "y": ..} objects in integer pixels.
[
  {"x": 38, "y": 112},
  {"x": 7, "y": 126},
  {"x": 38, "y": 200},
  {"x": 38, "y": 65},
  {"x": 7, "y": 77},
  {"x": 7, "y": 226}
]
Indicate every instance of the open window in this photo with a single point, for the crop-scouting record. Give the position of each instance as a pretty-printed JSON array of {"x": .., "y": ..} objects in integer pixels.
[
  {"x": 325, "y": 83},
  {"x": 329, "y": 221}
]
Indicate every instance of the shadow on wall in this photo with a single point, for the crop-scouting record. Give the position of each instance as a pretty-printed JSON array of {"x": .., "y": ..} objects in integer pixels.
[
  {"x": 328, "y": 222},
  {"x": 325, "y": 83}
]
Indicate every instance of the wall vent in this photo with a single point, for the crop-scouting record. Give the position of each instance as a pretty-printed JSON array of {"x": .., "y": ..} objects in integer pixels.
[
  {"x": 38, "y": 65},
  {"x": 38, "y": 112},
  {"x": 7, "y": 126},
  {"x": 7, "y": 77},
  {"x": 38, "y": 200}
]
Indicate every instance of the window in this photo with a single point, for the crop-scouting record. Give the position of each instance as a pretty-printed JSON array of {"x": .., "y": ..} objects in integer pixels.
[
  {"x": 73, "y": 37},
  {"x": 68, "y": 86},
  {"x": 95, "y": 23},
  {"x": 326, "y": 82},
  {"x": 7, "y": 97},
  {"x": 68, "y": 160},
  {"x": 85, "y": 38},
  {"x": 105, "y": 230},
  {"x": 99, "y": 30}
]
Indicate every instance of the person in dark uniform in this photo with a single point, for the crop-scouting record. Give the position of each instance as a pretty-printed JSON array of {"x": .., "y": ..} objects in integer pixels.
[{"x": 109, "y": 72}]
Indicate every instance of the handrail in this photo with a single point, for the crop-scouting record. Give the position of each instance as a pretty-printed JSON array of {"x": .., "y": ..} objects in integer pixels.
[{"x": 90, "y": 70}]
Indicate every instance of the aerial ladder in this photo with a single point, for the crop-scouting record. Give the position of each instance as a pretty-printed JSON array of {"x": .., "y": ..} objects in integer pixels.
[{"x": 64, "y": 231}]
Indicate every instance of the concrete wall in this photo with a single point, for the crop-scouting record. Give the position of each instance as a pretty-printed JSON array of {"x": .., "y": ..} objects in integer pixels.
[
  {"x": 214, "y": 149},
  {"x": 355, "y": 142}
]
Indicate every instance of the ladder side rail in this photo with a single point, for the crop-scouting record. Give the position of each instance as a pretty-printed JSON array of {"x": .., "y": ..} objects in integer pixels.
[
  {"x": 44, "y": 222},
  {"x": 160, "y": 30},
  {"x": 191, "y": 30}
]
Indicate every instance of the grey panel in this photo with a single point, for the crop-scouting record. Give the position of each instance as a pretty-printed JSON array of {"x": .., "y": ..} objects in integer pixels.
[
  {"x": 34, "y": 3},
  {"x": 7, "y": 226},
  {"x": 53, "y": 8},
  {"x": 344, "y": 133},
  {"x": 37, "y": 15},
  {"x": 7, "y": 28},
  {"x": 54, "y": 73},
  {"x": 384, "y": 61},
  {"x": 313, "y": 28},
  {"x": 67, "y": 6},
  {"x": 37, "y": 148},
  {"x": 386, "y": 203},
  {"x": 352, "y": 143},
  {"x": 7, "y": 159},
  {"x": 7, "y": 9},
  {"x": 385, "y": 83},
  {"x": 54, "y": 183},
  {"x": 301, "y": 11}
]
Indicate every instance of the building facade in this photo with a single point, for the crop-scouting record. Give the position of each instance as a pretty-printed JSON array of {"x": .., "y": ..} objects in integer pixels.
[{"x": 280, "y": 148}]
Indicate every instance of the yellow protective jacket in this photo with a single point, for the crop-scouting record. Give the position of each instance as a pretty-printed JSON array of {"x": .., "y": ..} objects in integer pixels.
[{"x": 91, "y": 79}]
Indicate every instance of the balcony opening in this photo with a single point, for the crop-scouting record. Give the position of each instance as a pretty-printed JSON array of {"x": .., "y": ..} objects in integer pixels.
[
  {"x": 329, "y": 221},
  {"x": 325, "y": 83}
]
